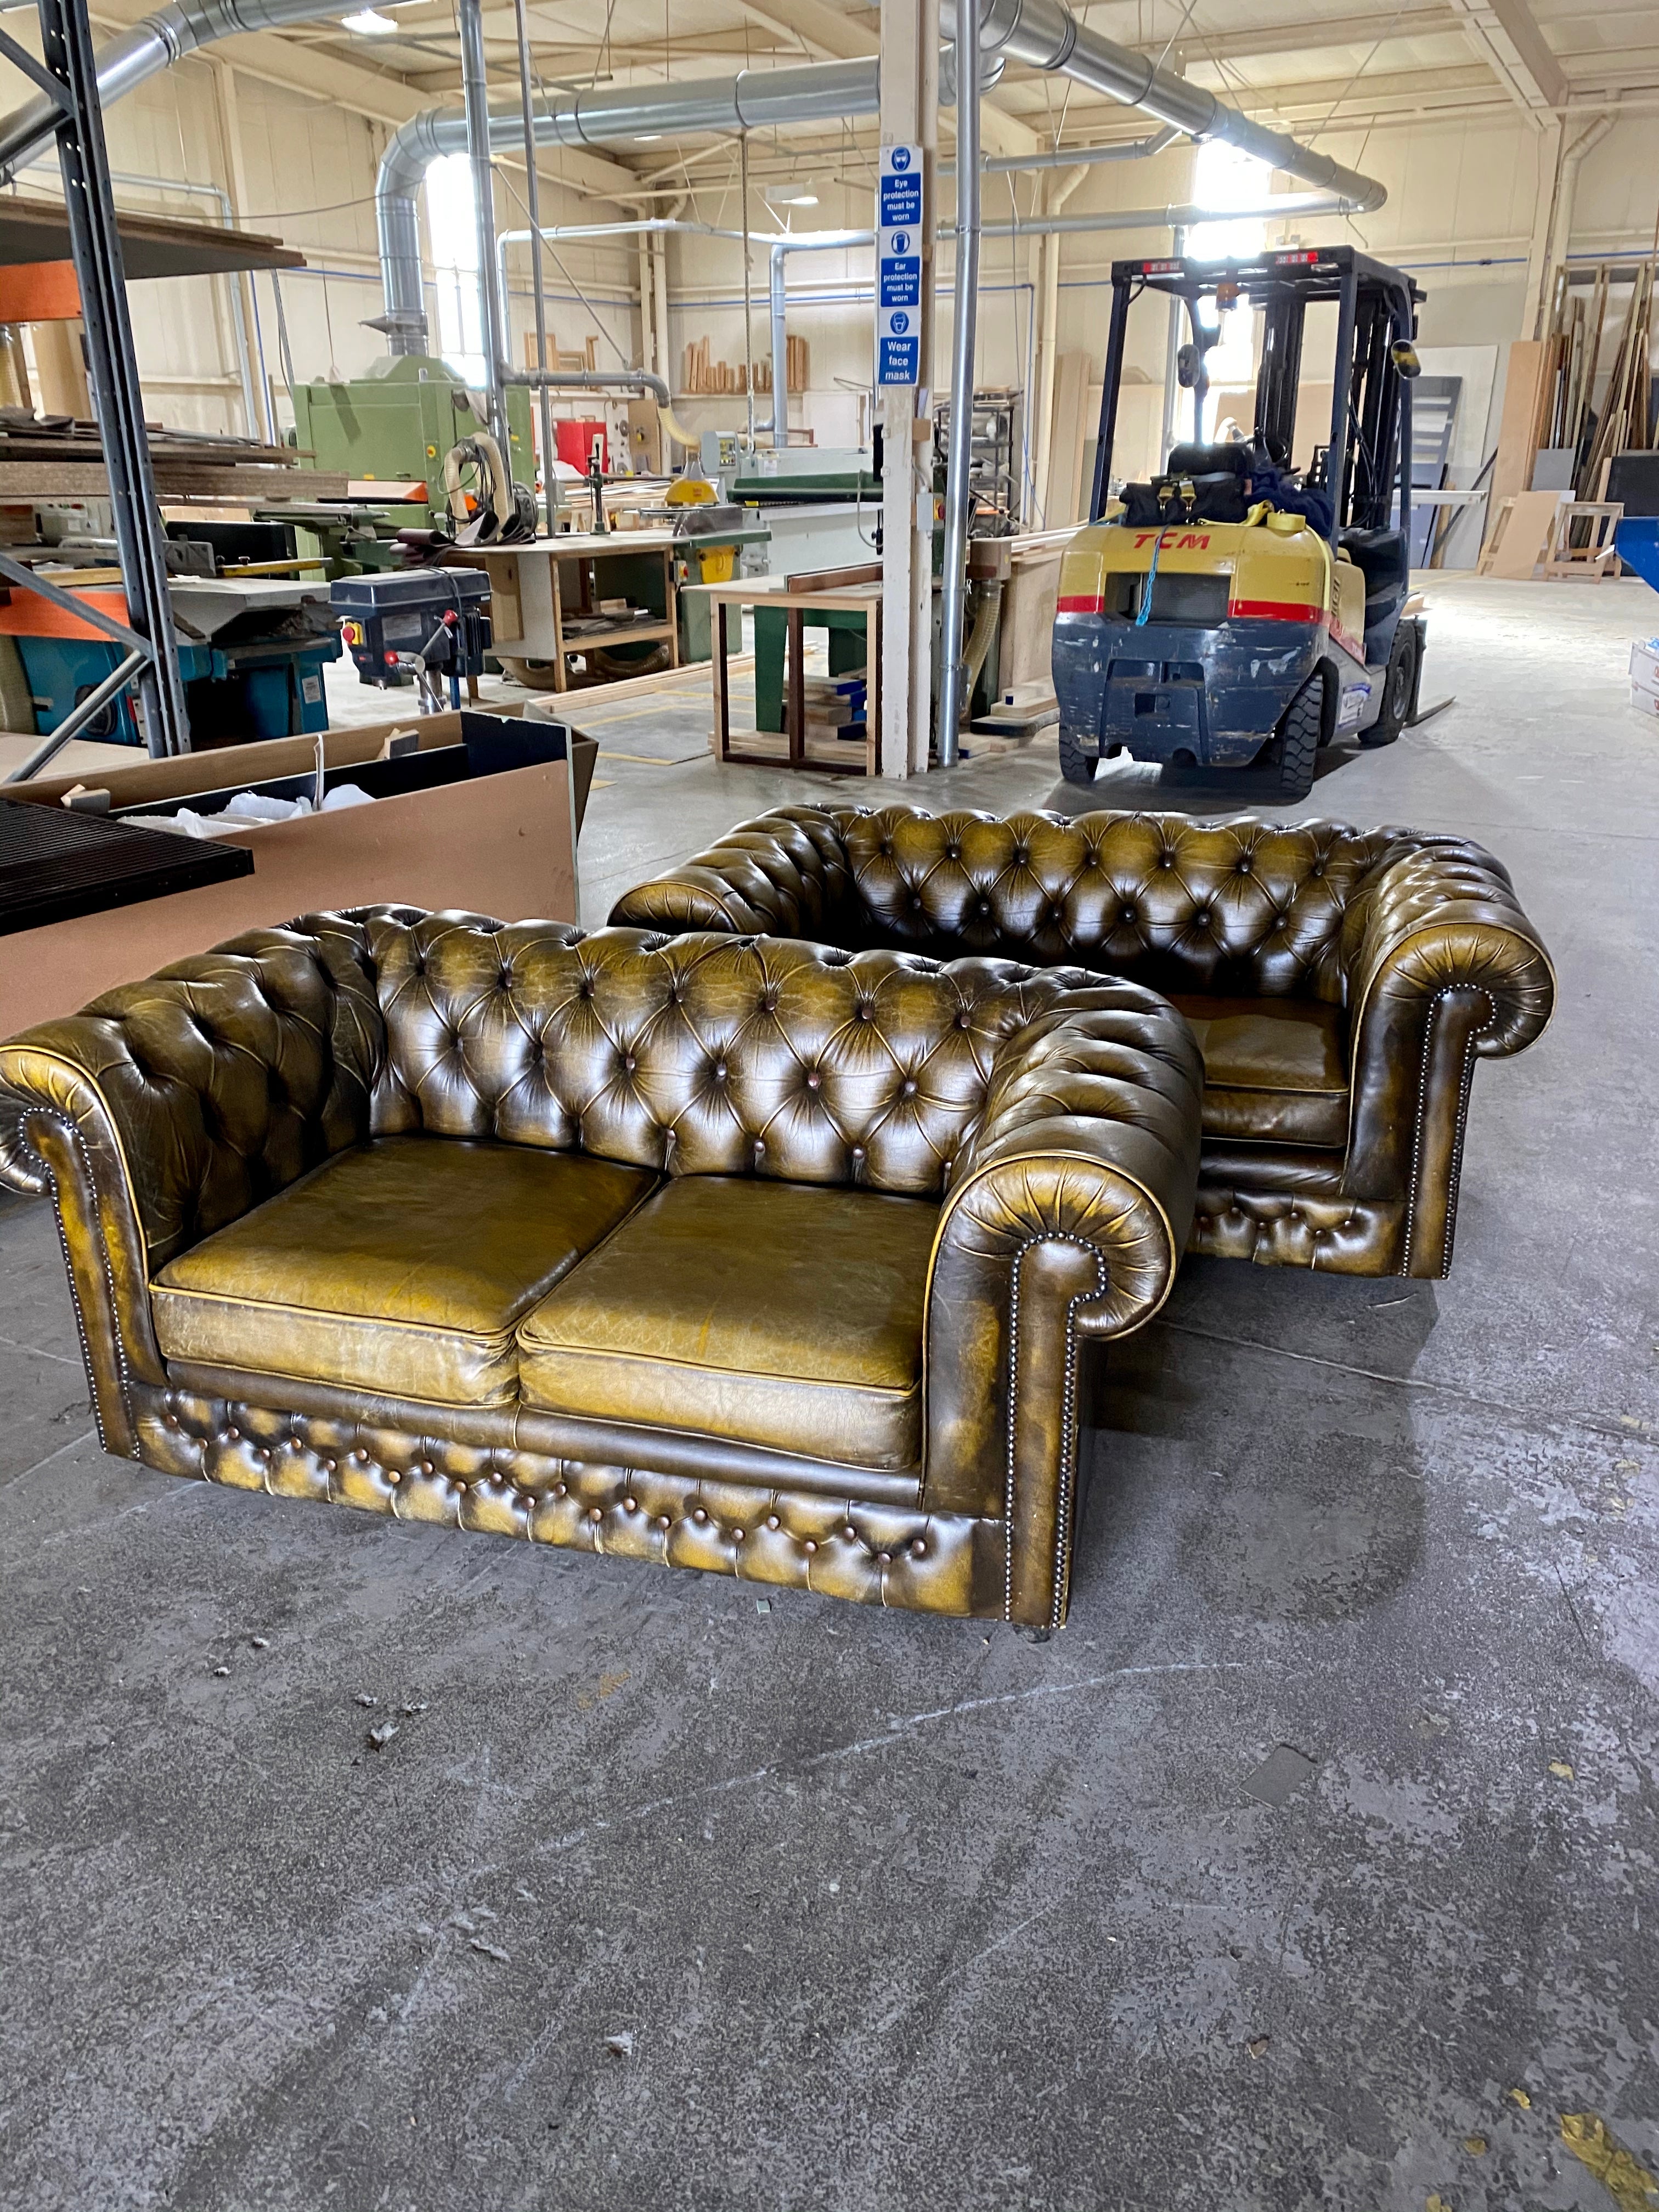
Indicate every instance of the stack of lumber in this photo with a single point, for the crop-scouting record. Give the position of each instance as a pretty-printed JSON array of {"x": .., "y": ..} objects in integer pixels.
[
  {"x": 46, "y": 457},
  {"x": 834, "y": 705},
  {"x": 703, "y": 377},
  {"x": 571, "y": 359},
  {"x": 1623, "y": 425}
]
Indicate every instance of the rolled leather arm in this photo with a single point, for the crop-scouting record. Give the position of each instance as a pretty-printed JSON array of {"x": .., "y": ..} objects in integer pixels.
[
  {"x": 1068, "y": 1219},
  {"x": 172, "y": 1105},
  {"x": 785, "y": 875},
  {"x": 1443, "y": 967}
]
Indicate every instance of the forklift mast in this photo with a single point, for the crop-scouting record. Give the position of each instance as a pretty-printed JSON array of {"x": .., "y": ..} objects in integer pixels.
[{"x": 1371, "y": 403}]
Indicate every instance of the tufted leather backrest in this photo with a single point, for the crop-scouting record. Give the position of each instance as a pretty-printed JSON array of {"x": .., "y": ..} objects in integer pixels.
[
  {"x": 1237, "y": 907},
  {"x": 1241, "y": 906},
  {"x": 227, "y": 1075},
  {"x": 702, "y": 1055}
]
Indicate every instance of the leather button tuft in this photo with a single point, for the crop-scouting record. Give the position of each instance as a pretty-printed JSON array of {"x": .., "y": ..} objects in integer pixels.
[
  {"x": 1127, "y": 915},
  {"x": 663, "y": 1520},
  {"x": 850, "y": 1533},
  {"x": 719, "y": 1070},
  {"x": 629, "y": 1062},
  {"x": 908, "y": 1088},
  {"x": 700, "y": 1515},
  {"x": 918, "y": 1550},
  {"x": 772, "y": 1521},
  {"x": 813, "y": 1078},
  {"x": 596, "y": 1513},
  {"x": 559, "y": 1489},
  {"x": 631, "y": 1505},
  {"x": 884, "y": 1558},
  {"x": 737, "y": 1536},
  {"x": 809, "y": 1546},
  {"x": 964, "y": 1020}
]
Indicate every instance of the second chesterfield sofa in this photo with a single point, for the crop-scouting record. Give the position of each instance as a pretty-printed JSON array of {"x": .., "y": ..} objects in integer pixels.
[
  {"x": 724, "y": 1255},
  {"x": 1342, "y": 983}
]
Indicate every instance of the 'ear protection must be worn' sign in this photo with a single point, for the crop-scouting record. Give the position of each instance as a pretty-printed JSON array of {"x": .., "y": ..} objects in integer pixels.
[{"x": 898, "y": 266}]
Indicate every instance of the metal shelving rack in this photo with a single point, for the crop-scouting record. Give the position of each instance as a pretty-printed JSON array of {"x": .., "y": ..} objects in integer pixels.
[
  {"x": 68, "y": 75},
  {"x": 995, "y": 459}
]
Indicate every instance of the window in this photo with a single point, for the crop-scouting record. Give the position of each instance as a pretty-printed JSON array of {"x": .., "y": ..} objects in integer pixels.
[
  {"x": 1225, "y": 177},
  {"x": 452, "y": 223}
]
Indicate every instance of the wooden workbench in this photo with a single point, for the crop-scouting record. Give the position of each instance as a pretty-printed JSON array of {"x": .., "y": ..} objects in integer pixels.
[
  {"x": 528, "y": 607},
  {"x": 795, "y": 605}
]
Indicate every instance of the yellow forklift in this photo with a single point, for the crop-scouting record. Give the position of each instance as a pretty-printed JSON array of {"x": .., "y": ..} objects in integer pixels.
[{"x": 1241, "y": 607}]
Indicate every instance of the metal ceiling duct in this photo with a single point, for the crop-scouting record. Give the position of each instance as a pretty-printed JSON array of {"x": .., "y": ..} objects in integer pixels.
[
  {"x": 1044, "y": 34},
  {"x": 156, "y": 43},
  {"x": 1039, "y": 33}
]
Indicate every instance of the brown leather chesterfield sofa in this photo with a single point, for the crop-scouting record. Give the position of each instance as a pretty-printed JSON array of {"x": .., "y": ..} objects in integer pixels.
[
  {"x": 733, "y": 1255},
  {"x": 1341, "y": 983}
]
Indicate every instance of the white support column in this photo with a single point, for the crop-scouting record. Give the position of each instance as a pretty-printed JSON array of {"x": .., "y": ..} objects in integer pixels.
[
  {"x": 262, "y": 423},
  {"x": 1048, "y": 344},
  {"x": 1543, "y": 227},
  {"x": 909, "y": 116}
]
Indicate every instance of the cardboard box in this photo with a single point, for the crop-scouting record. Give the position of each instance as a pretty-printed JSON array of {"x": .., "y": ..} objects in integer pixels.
[
  {"x": 1645, "y": 702},
  {"x": 503, "y": 845},
  {"x": 1644, "y": 664}
]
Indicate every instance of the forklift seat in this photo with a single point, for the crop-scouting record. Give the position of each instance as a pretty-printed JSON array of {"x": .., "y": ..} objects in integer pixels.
[{"x": 1235, "y": 461}]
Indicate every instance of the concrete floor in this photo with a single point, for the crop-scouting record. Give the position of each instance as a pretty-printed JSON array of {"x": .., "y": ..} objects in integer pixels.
[{"x": 890, "y": 1911}]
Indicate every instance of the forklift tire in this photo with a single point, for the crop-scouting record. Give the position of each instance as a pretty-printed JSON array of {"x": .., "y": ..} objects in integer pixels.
[
  {"x": 1290, "y": 752},
  {"x": 1075, "y": 765},
  {"x": 1398, "y": 686}
]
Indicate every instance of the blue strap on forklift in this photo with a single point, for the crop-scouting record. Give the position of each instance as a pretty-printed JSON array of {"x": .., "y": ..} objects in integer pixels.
[{"x": 1145, "y": 616}]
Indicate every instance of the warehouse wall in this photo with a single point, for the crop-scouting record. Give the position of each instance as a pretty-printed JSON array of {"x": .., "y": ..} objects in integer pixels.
[
  {"x": 308, "y": 169},
  {"x": 1463, "y": 197}
]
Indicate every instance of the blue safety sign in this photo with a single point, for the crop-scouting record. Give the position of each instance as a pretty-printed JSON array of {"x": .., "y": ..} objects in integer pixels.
[
  {"x": 899, "y": 360},
  {"x": 900, "y": 279},
  {"x": 898, "y": 265},
  {"x": 899, "y": 188}
]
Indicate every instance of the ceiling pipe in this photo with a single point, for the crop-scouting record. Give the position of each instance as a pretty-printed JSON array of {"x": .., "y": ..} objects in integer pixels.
[
  {"x": 1044, "y": 34},
  {"x": 156, "y": 43},
  {"x": 1134, "y": 149},
  {"x": 1039, "y": 33}
]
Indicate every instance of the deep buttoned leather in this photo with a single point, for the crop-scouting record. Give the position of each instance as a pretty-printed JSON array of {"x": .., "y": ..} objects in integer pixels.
[
  {"x": 1415, "y": 942},
  {"x": 979, "y": 1165},
  {"x": 404, "y": 1266}
]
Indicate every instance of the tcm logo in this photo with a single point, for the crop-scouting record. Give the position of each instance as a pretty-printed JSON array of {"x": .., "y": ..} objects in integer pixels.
[{"x": 1190, "y": 541}]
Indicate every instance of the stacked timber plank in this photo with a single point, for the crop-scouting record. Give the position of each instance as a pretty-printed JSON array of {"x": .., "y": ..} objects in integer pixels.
[
  {"x": 703, "y": 377},
  {"x": 56, "y": 457}
]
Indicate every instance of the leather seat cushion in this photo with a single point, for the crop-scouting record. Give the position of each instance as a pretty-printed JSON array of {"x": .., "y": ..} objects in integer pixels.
[
  {"x": 401, "y": 1267},
  {"x": 1274, "y": 1069},
  {"x": 778, "y": 1314}
]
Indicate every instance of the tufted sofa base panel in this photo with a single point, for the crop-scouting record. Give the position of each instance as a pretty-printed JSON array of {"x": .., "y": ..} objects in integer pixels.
[
  {"x": 1337, "y": 1236},
  {"x": 839, "y": 1545}
]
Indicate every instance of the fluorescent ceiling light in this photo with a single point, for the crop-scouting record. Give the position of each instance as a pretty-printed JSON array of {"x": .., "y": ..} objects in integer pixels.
[
  {"x": 792, "y": 199},
  {"x": 649, "y": 138},
  {"x": 369, "y": 23}
]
